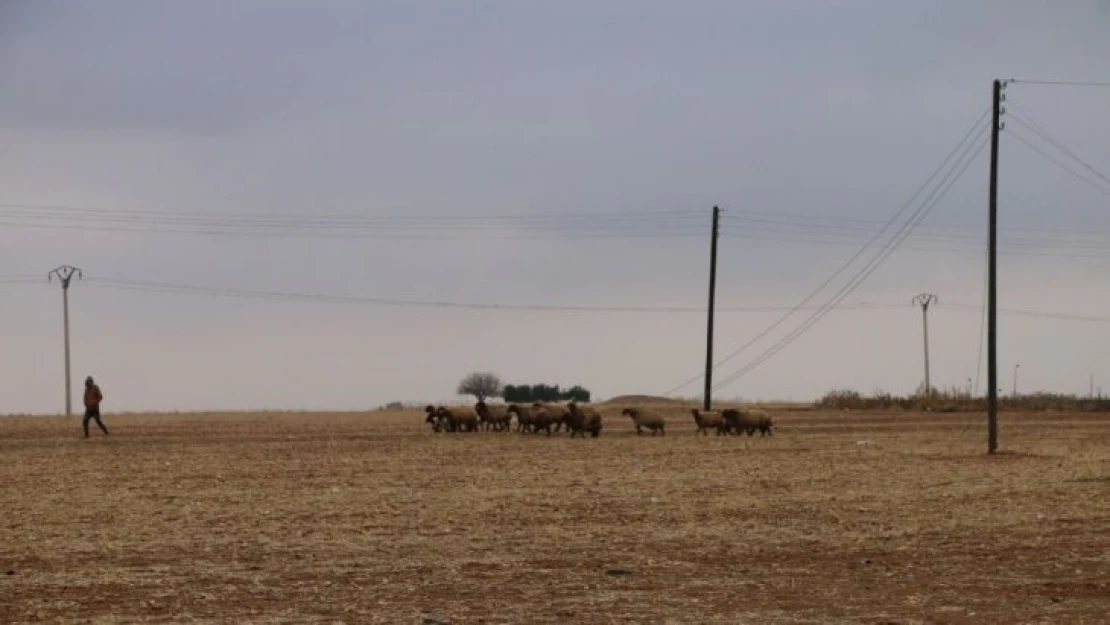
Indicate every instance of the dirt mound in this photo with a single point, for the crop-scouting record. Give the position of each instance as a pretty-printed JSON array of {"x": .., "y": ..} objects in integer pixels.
[{"x": 643, "y": 399}]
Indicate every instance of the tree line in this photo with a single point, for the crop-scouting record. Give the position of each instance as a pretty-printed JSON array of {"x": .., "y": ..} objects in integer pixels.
[{"x": 484, "y": 385}]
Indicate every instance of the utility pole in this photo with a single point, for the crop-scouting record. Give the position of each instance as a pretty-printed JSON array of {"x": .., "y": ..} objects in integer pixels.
[
  {"x": 65, "y": 274},
  {"x": 924, "y": 300},
  {"x": 992, "y": 277},
  {"x": 1092, "y": 389},
  {"x": 709, "y": 322},
  {"x": 1016, "y": 367}
]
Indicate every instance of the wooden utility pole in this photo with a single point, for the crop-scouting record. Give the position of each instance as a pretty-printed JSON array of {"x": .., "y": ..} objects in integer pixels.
[
  {"x": 992, "y": 276},
  {"x": 924, "y": 300},
  {"x": 709, "y": 322},
  {"x": 65, "y": 274}
]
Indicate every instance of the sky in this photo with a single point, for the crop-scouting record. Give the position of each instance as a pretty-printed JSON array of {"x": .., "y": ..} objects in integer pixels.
[{"x": 541, "y": 155}]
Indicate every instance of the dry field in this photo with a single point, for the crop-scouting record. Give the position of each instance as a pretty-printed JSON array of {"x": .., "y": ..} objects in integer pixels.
[{"x": 371, "y": 518}]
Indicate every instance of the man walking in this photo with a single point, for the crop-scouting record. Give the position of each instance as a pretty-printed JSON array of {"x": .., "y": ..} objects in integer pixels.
[{"x": 93, "y": 397}]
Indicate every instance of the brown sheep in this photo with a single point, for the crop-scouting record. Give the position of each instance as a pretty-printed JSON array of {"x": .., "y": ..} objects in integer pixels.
[
  {"x": 433, "y": 418},
  {"x": 645, "y": 419},
  {"x": 544, "y": 419},
  {"x": 523, "y": 416},
  {"x": 748, "y": 420},
  {"x": 562, "y": 415},
  {"x": 459, "y": 419},
  {"x": 706, "y": 420},
  {"x": 495, "y": 417},
  {"x": 582, "y": 420}
]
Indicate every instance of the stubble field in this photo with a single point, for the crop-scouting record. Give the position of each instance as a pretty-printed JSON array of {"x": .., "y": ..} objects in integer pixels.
[{"x": 371, "y": 518}]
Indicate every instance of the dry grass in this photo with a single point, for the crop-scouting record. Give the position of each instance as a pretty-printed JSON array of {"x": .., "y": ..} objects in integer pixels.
[{"x": 286, "y": 518}]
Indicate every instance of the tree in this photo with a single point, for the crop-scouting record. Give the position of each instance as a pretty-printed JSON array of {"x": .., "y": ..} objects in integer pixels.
[
  {"x": 527, "y": 393},
  {"x": 480, "y": 384},
  {"x": 578, "y": 394}
]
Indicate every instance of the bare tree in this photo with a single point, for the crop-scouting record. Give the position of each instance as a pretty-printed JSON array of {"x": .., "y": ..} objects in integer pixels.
[{"x": 480, "y": 384}]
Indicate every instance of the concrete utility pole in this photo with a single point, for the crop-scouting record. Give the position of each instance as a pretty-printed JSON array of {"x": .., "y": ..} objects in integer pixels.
[
  {"x": 992, "y": 272},
  {"x": 924, "y": 300},
  {"x": 1016, "y": 367},
  {"x": 709, "y": 322},
  {"x": 65, "y": 274}
]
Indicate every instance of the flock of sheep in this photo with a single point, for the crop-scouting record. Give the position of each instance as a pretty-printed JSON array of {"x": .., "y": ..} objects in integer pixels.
[{"x": 579, "y": 420}]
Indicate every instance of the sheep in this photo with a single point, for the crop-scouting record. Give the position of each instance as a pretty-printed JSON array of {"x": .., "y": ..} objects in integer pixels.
[
  {"x": 562, "y": 415},
  {"x": 543, "y": 419},
  {"x": 433, "y": 418},
  {"x": 523, "y": 416},
  {"x": 582, "y": 420},
  {"x": 495, "y": 417},
  {"x": 459, "y": 419},
  {"x": 706, "y": 420},
  {"x": 748, "y": 420},
  {"x": 644, "y": 419}
]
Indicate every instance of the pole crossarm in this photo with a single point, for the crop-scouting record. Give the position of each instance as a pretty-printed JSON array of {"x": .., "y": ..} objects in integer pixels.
[{"x": 64, "y": 274}]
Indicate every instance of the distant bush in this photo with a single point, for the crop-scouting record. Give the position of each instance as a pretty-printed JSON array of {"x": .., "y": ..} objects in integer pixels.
[
  {"x": 527, "y": 393},
  {"x": 959, "y": 400}
]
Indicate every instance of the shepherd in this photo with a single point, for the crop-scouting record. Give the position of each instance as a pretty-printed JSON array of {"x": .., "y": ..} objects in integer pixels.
[{"x": 93, "y": 397}]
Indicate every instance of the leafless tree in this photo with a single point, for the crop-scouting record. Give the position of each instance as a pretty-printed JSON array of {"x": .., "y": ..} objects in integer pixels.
[{"x": 480, "y": 384}]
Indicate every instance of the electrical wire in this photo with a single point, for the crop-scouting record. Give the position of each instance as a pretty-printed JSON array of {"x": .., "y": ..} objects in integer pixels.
[
  {"x": 1057, "y": 162},
  {"x": 381, "y": 236},
  {"x": 184, "y": 289},
  {"x": 670, "y": 213},
  {"x": 1024, "y": 119},
  {"x": 19, "y": 278},
  {"x": 1036, "y": 313},
  {"x": 964, "y": 139},
  {"x": 940, "y": 233},
  {"x": 1062, "y": 83},
  {"x": 916, "y": 217},
  {"x": 1015, "y": 251},
  {"x": 981, "y": 346}
]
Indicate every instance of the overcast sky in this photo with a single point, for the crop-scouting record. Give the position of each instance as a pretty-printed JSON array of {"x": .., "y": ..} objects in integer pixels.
[{"x": 596, "y": 134}]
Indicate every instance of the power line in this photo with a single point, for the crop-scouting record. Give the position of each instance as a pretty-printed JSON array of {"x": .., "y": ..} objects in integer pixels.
[
  {"x": 183, "y": 289},
  {"x": 1024, "y": 119},
  {"x": 19, "y": 278},
  {"x": 1062, "y": 83},
  {"x": 952, "y": 244},
  {"x": 981, "y": 345},
  {"x": 378, "y": 235},
  {"x": 1037, "y": 313},
  {"x": 916, "y": 217},
  {"x": 361, "y": 218},
  {"x": 1016, "y": 250},
  {"x": 1057, "y": 162},
  {"x": 186, "y": 289},
  {"x": 977, "y": 124},
  {"x": 941, "y": 233}
]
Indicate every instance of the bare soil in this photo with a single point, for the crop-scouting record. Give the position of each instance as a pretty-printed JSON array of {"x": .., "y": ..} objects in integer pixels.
[{"x": 371, "y": 518}]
